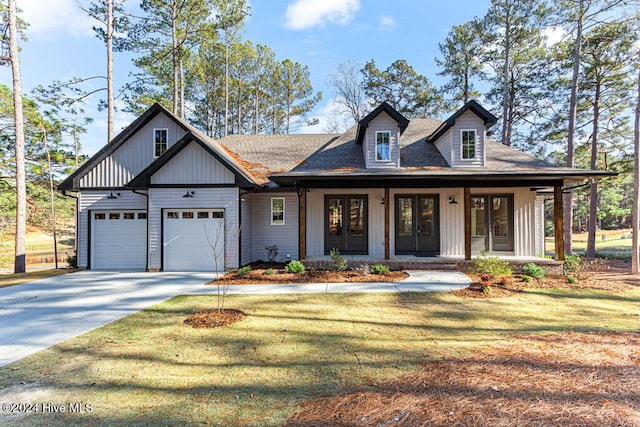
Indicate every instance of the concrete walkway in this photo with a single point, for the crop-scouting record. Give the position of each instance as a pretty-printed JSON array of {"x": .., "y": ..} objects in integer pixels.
[{"x": 36, "y": 315}]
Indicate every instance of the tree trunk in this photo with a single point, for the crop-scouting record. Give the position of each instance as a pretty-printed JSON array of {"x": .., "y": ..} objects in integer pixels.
[
  {"x": 110, "y": 101},
  {"x": 174, "y": 58},
  {"x": 593, "y": 194},
  {"x": 635, "y": 223},
  {"x": 181, "y": 107},
  {"x": 226, "y": 81},
  {"x": 18, "y": 115},
  {"x": 573, "y": 106},
  {"x": 505, "y": 79},
  {"x": 51, "y": 196}
]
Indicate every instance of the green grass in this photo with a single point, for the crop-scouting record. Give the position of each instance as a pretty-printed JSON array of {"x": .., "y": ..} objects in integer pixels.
[
  {"x": 615, "y": 242},
  {"x": 150, "y": 369},
  {"x": 18, "y": 279}
]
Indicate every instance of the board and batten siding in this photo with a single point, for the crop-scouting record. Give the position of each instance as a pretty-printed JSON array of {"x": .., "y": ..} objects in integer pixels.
[
  {"x": 193, "y": 165},
  {"x": 265, "y": 234},
  {"x": 97, "y": 200},
  {"x": 443, "y": 144},
  {"x": 467, "y": 121},
  {"x": 540, "y": 243},
  {"x": 383, "y": 122},
  {"x": 316, "y": 220},
  {"x": 131, "y": 157},
  {"x": 204, "y": 198}
]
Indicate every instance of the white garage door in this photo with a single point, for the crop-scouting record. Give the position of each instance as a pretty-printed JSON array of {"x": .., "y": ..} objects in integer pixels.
[
  {"x": 119, "y": 240},
  {"x": 193, "y": 240}
]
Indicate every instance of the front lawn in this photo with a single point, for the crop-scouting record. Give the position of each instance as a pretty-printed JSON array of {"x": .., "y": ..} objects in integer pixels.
[{"x": 152, "y": 369}]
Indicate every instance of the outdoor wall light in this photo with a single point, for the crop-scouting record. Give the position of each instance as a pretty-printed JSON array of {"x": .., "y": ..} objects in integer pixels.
[
  {"x": 112, "y": 196},
  {"x": 189, "y": 194},
  {"x": 452, "y": 200}
]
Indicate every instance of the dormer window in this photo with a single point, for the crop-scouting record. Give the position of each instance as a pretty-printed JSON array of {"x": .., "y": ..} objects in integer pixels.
[
  {"x": 468, "y": 144},
  {"x": 159, "y": 141},
  {"x": 383, "y": 148}
]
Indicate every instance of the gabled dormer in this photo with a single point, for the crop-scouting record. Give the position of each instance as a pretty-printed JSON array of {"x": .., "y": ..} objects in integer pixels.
[
  {"x": 461, "y": 139},
  {"x": 379, "y": 134}
]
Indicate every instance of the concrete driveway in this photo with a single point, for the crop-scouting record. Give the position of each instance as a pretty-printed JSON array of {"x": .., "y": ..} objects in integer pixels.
[{"x": 40, "y": 314}]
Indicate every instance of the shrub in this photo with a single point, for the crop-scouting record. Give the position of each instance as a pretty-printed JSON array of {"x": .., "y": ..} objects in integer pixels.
[
  {"x": 244, "y": 270},
  {"x": 486, "y": 287},
  {"x": 379, "y": 269},
  {"x": 268, "y": 271},
  {"x": 485, "y": 277},
  {"x": 339, "y": 262},
  {"x": 491, "y": 266},
  {"x": 572, "y": 280},
  {"x": 295, "y": 267},
  {"x": 526, "y": 278},
  {"x": 72, "y": 260},
  {"x": 533, "y": 270},
  {"x": 572, "y": 263},
  {"x": 505, "y": 281},
  {"x": 272, "y": 252}
]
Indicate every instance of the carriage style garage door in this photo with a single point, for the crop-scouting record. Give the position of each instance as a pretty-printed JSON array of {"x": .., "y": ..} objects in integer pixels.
[
  {"x": 193, "y": 240},
  {"x": 119, "y": 240}
]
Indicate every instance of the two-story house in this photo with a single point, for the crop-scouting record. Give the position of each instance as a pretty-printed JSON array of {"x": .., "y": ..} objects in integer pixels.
[{"x": 164, "y": 196}]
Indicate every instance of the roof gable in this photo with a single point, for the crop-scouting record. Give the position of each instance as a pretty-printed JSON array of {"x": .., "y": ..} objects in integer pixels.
[
  {"x": 143, "y": 179},
  {"x": 119, "y": 140},
  {"x": 402, "y": 121},
  {"x": 473, "y": 106}
]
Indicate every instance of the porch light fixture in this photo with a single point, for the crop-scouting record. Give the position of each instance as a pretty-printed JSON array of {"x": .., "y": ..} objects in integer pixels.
[
  {"x": 383, "y": 201},
  {"x": 112, "y": 196},
  {"x": 189, "y": 194},
  {"x": 452, "y": 200}
]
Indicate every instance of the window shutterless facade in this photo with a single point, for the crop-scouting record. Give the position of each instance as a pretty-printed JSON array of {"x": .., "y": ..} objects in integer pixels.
[
  {"x": 277, "y": 211},
  {"x": 383, "y": 147},
  {"x": 159, "y": 141},
  {"x": 468, "y": 144}
]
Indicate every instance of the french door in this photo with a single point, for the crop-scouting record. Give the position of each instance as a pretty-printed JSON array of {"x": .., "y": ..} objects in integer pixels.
[
  {"x": 346, "y": 224},
  {"x": 491, "y": 223},
  {"x": 417, "y": 225}
]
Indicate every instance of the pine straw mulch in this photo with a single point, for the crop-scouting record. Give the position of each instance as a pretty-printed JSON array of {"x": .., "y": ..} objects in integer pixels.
[
  {"x": 571, "y": 379},
  {"x": 268, "y": 274},
  {"x": 214, "y": 318},
  {"x": 599, "y": 274}
]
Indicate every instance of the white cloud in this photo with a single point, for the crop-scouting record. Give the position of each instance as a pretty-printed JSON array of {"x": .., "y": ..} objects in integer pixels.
[
  {"x": 54, "y": 18},
  {"x": 387, "y": 23},
  {"x": 554, "y": 35},
  {"x": 303, "y": 14}
]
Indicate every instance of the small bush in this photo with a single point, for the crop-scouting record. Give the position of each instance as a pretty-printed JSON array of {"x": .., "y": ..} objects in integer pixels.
[
  {"x": 486, "y": 287},
  {"x": 485, "y": 277},
  {"x": 295, "y": 267},
  {"x": 268, "y": 271},
  {"x": 244, "y": 270},
  {"x": 339, "y": 262},
  {"x": 379, "y": 269},
  {"x": 572, "y": 263},
  {"x": 506, "y": 281},
  {"x": 533, "y": 270},
  {"x": 72, "y": 260},
  {"x": 527, "y": 279},
  {"x": 572, "y": 280},
  {"x": 492, "y": 266}
]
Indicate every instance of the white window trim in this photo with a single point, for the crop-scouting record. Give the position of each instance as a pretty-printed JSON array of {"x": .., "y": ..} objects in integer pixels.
[
  {"x": 475, "y": 157},
  {"x": 283, "y": 211},
  {"x": 154, "y": 140},
  {"x": 375, "y": 147}
]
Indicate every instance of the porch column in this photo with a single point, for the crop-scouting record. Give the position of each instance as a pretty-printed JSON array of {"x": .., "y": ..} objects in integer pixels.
[
  {"x": 467, "y": 223},
  {"x": 558, "y": 216},
  {"x": 302, "y": 223},
  {"x": 387, "y": 216}
]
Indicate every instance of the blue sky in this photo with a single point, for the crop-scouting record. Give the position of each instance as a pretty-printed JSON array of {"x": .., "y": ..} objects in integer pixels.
[{"x": 318, "y": 33}]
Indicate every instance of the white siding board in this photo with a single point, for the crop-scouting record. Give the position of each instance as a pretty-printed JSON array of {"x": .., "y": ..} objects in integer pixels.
[
  {"x": 539, "y": 232},
  {"x": 97, "y": 200},
  {"x": 131, "y": 157},
  {"x": 204, "y": 198},
  {"x": 443, "y": 144},
  {"x": 467, "y": 121},
  {"x": 246, "y": 229},
  {"x": 266, "y": 234},
  {"x": 193, "y": 165},
  {"x": 383, "y": 122}
]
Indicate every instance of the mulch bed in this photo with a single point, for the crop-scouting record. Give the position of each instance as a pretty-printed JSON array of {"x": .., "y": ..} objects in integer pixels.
[
  {"x": 572, "y": 379},
  {"x": 215, "y": 318}
]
